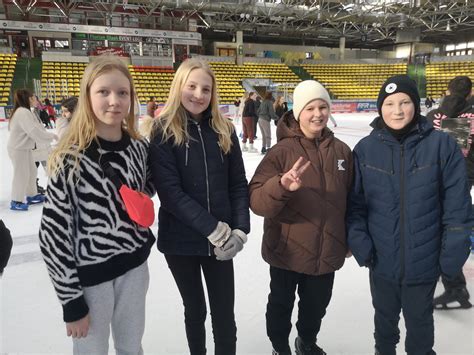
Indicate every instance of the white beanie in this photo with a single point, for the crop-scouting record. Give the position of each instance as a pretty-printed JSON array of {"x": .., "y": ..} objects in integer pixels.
[{"x": 307, "y": 91}]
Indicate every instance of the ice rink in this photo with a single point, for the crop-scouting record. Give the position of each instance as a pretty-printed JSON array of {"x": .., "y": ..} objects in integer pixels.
[{"x": 31, "y": 317}]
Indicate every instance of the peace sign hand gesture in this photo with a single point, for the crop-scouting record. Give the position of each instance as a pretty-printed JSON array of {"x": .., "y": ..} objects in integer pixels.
[{"x": 291, "y": 179}]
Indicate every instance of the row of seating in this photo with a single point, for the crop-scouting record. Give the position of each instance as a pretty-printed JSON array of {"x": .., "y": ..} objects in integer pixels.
[
  {"x": 439, "y": 74},
  {"x": 152, "y": 81},
  {"x": 351, "y": 81},
  {"x": 229, "y": 77},
  {"x": 344, "y": 81},
  {"x": 7, "y": 71}
]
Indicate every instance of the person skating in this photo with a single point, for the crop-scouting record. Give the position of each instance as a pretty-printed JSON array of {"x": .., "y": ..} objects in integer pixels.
[{"x": 456, "y": 105}]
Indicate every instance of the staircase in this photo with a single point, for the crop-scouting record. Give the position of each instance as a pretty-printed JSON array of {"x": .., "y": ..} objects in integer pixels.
[
  {"x": 302, "y": 74},
  {"x": 26, "y": 70}
]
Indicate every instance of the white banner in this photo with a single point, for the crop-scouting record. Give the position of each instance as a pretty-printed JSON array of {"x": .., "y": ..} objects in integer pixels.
[{"x": 123, "y": 31}]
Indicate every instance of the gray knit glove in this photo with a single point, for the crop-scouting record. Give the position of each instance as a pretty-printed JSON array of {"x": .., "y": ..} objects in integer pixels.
[
  {"x": 220, "y": 235},
  {"x": 230, "y": 249}
]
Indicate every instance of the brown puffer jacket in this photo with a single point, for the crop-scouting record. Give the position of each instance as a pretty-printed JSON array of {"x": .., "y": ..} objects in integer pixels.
[{"x": 304, "y": 231}]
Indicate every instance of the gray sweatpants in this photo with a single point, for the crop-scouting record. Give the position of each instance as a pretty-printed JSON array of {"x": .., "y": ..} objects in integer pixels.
[
  {"x": 266, "y": 132},
  {"x": 119, "y": 303},
  {"x": 24, "y": 174}
]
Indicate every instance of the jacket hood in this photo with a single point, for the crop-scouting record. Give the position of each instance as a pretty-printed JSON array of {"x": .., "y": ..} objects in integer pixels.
[
  {"x": 454, "y": 105},
  {"x": 288, "y": 127}
]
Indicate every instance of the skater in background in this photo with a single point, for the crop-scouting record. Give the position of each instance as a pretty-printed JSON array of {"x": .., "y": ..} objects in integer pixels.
[
  {"x": 266, "y": 113},
  {"x": 204, "y": 216},
  {"x": 95, "y": 253},
  {"x": 258, "y": 102},
  {"x": 301, "y": 187},
  {"x": 151, "y": 107},
  {"x": 407, "y": 217},
  {"x": 25, "y": 131},
  {"x": 249, "y": 116},
  {"x": 68, "y": 106},
  {"x": 456, "y": 105},
  {"x": 279, "y": 107},
  {"x": 43, "y": 147},
  {"x": 48, "y": 107},
  {"x": 240, "y": 111}
]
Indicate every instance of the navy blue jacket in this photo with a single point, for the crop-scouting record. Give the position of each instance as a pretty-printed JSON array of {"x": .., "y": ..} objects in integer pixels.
[
  {"x": 198, "y": 185},
  {"x": 409, "y": 205}
]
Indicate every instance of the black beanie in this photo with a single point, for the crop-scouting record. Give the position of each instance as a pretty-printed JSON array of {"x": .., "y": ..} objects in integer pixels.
[{"x": 399, "y": 83}]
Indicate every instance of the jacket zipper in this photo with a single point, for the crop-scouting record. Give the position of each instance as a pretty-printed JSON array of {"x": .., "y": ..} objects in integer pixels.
[
  {"x": 187, "y": 151},
  {"x": 207, "y": 178},
  {"x": 220, "y": 151},
  {"x": 324, "y": 199},
  {"x": 402, "y": 213}
]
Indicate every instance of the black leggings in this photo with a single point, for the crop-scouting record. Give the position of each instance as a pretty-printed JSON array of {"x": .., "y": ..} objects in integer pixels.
[{"x": 219, "y": 276}]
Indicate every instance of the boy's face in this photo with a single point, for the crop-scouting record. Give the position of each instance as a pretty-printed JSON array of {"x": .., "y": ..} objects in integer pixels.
[
  {"x": 398, "y": 110},
  {"x": 313, "y": 118}
]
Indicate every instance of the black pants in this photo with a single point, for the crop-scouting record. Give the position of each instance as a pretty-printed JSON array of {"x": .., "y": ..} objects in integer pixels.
[
  {"x": 314, "y": 292},
  {"x": 219, "y": 277},
  {"x": 454, "y": 284},
  {"x": 416, "y": 303},
  {"x": 255, "y": 123}
]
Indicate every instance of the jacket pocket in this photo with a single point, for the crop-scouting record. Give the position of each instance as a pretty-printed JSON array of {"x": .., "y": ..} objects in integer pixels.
[
  {"x": 380, "y": 170},
  {"x": 283, "y": 240}
]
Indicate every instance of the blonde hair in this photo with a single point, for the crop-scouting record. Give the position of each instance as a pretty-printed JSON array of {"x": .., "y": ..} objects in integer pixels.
[
  {"x": 82, "y": 129},
  {"x": 278, "y": 102},
  {"x": 172, "y": 121}
]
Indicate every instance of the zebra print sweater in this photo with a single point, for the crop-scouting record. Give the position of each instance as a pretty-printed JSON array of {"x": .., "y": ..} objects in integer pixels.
[{"x": 86, "y": 235}]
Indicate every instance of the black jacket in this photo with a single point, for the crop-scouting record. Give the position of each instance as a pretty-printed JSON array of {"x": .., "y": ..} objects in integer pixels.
[
  {"x": 250, "y": 109},
  {"x": 455, "y": 106},
  {"x": 198, "y": 185}
]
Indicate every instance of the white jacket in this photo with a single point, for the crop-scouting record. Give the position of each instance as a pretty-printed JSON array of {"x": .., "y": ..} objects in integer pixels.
[{"x": 26, "y": 131}]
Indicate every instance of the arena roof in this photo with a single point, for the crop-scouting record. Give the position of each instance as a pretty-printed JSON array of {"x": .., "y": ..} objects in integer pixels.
[{"x": 364, "y": 23}]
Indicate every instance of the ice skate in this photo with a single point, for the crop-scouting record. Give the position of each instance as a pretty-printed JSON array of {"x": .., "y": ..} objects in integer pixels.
[
  {"x": 453, "y": 299},
  {"x": 307, "y": 349}
]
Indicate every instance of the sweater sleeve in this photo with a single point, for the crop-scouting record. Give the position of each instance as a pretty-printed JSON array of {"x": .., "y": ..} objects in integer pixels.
[
  {"x": 173, "y": 198},
  {"x": 456, "y": 207},
  {"x": 33, "y": 128},
  {"x": 271, "y": 111},
  {"x": 238, "y": 189},
  {"x": 358, "y": 237},
  {"x": 267, "y": 196},
  {"x": 56, "y": 235}
]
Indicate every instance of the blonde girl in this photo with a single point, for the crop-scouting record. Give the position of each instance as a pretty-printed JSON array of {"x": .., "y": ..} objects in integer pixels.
[
  {"x": 199, "y": 175},
  {"x": 95, "y": 254}
]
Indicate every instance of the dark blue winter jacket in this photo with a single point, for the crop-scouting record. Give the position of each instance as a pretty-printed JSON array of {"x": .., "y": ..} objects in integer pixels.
[
  {"x": 198, "y": 185},
  {"x": 409, "y": 206}
]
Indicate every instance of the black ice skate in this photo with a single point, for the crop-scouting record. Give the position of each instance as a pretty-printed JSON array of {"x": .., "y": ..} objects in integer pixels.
[
  {"x": 453, "y": 299},
  {"x": 286, "y": 352},
  {"x": 307, "y": 349}
]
